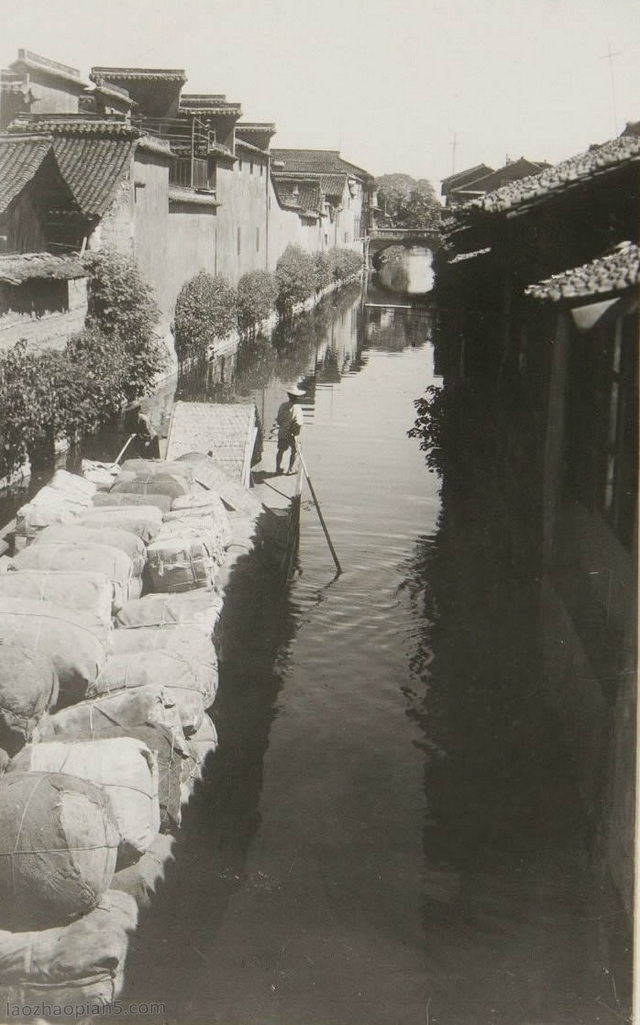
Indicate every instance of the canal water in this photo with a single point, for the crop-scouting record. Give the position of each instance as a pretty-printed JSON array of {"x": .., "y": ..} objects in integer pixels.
[{"x": 388, "y": 833}]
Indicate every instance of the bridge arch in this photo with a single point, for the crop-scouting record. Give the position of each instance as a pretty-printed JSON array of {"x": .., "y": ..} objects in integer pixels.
[{"x": 383, "y": 238}]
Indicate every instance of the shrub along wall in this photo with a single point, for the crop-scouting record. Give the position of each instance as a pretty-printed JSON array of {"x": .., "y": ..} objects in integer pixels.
[{"x": 65, "y": 394}]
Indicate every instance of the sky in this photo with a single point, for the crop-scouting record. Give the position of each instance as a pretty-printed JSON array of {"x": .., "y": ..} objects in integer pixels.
[{"x": 417, "y": 86}]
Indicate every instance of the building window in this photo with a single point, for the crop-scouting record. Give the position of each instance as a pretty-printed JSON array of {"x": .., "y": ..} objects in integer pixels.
[
  {"x": 239, "y": 242},
  {"x": 257, "y": 240},
  {"x": 239, "y": 165},
  {"x": 261, "y": 170},
  {"x": 346, "y": 236},
  {"x": 326, "y": 239},
  {"x": 251, "y": 167}
]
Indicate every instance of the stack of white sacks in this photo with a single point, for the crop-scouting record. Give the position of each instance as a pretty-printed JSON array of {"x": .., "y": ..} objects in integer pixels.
[{"x": 109, "y": 613}]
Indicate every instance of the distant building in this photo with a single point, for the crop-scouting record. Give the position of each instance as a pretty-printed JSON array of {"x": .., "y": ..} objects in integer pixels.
[
  {"x": 481, "y": 180},
  {"x": 460, "y": 179},
  {"x": 345, "y": 191},
  {"x": 175, "y": 179},
  {"x": 37, "y": 85}
]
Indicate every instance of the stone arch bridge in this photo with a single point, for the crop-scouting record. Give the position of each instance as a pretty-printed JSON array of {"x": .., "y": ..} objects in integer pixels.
[{"x": 379, "y": 239}]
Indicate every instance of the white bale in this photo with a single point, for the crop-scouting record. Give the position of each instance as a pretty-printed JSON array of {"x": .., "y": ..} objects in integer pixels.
[
  {"x": 96, "y": 717},
  {"x": 143, "y": 520},
  {"x": 76, "y": 964},
  {"x": 100, "y": 474},
  {"x": 73, "y": 641},
  {"x": 201, "y": 743},
  {"x": 85, "y": 592},
  {"x": 123, "y": 768},
  {"x": 192, "y": 682},
  {"x": 58, "y": 846},
  {"x": 73, "y": 484},
  {"x": 47, "y": 507},
  {"x": 201, "y": 608},
  {"x": 111, "y": 537},
  {"x": 55, "y": 556}
]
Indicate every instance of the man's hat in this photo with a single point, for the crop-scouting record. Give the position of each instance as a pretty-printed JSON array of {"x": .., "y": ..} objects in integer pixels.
[{"x": 294, "y": 390}]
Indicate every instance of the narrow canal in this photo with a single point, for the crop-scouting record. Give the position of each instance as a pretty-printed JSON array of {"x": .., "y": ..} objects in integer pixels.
[{"x": 388, "y": 833}]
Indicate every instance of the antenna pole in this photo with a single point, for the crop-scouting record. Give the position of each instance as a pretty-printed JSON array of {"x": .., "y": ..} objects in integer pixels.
[{"x": 609, "y": 56}]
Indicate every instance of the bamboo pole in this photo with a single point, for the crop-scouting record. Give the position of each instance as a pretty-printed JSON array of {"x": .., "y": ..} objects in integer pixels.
[
  {"x": 124, "y": 449},
  {"x": 320, "y": 516}
]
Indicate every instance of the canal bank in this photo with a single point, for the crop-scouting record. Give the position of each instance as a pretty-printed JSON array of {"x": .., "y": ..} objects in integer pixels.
[{"x": 390, "y": 829}]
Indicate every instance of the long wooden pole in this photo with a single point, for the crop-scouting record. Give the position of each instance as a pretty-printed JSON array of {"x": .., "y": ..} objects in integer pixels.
[
  {"x": 123, "y": 449},
  {"x": 320, "y": 516}
]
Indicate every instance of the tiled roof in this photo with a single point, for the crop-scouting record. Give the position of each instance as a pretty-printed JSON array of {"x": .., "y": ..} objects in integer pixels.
[
  {"x": 614, "y": 272},
  {"x": 257, "y": 127},
  {"x": 514, "y": 171},
  {"x": 574, "y": 171},
  {"x": 322, "y": 161},
  {"x": 78, "y": 124},
  {"x": 464, "y": 177},
  {"x": 251, "y": 148},
  {"x": 93, "y": 166},
  {"x": 302, "y": 196},
  {"x": 18, "y": 267},
  {"x": 330, "y": 184},
  {"x": 139, "y": 74},
  {"x": 153, "y": 145},
  {"x": 209, "y": 104},
  {"x": 20, "y": 158}
]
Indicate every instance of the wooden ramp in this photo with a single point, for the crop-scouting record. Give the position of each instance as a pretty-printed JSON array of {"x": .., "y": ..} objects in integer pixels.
[{"x": 226, "y": 432}]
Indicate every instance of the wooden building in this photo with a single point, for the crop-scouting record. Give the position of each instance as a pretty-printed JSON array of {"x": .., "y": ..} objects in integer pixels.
[{"x": 538, "y": 284}]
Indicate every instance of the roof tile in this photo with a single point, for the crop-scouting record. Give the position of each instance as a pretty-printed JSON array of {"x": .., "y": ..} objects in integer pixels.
[
  {"x": 613, "y": 272},
  {"x": 321, "y": 161},
  {"x": 18, "y": 267},
  {"x": 578, "y": 169},
  {"x": 20, "y": 158}
]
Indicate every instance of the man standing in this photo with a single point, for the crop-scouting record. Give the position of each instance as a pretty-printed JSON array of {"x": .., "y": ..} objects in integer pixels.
[{"x": 289, "y": 421}]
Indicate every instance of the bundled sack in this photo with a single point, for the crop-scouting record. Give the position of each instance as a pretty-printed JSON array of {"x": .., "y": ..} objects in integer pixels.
[
  {"x": 73, "y": 641},
  {"x": 49, "y": 506},
  {"x": 245, "y": 533},
  {"x": 202, "y": 504},
  {"x": 123, "y": 768},
  {"x": 198, "y": 526},
  {"x": 200, "y": 744},
  {"x": 85, "y": 592},
  {"x": 158, "y": 466},
  {"x": 145, "y": 520},
  {"x": 94, "y": 719},
  {"x": 58, "y": 847},
  {"x": 113, "y": 563},
  {"x": 106, "y": 499},
  {"x": 28, "y": 689},
  {"x": 171, "y": 484},
  {"x": 170, "y": 750},
  {"x": 209, "y": 473},
  {"x": 79, "y": 963},
  {"x": 100, "y": 474},
  {"x": 191, "y": 682},
  {"x": 73, "y": 484},
  {"x": 141, "y": 880},
  {"x": 201, "y": 609},
  {"x": 182, "y": 561},
  {"x": 189, "y": 641},
  {"x": 112, "y": 537}
]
